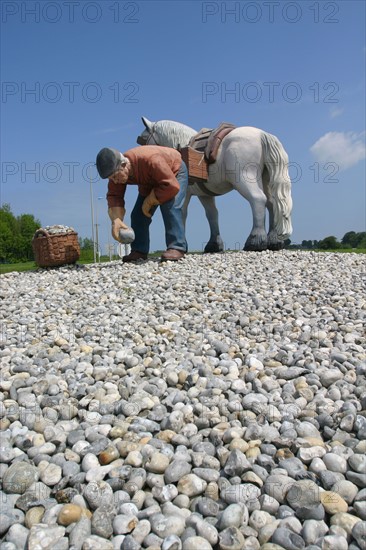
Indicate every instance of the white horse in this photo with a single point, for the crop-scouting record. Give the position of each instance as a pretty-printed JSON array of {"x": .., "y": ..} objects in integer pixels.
[{"x": 249, "y": 160}]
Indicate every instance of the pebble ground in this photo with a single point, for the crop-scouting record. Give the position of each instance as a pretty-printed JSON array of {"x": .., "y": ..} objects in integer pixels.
[{"x": 211, "y": 404}]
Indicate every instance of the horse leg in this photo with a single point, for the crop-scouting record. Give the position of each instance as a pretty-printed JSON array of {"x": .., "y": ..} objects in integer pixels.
[
  {"x": 257, "y": 239},
  {"x": 273, "y": 242},
  {"x": 215, "y": 243},
  {"x": 250, "y": 188},
  {"x": 185, "y": 205}
]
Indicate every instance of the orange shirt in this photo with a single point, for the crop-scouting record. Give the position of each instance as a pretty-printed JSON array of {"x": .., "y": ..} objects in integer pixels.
[{"x": 154, "y": 167}]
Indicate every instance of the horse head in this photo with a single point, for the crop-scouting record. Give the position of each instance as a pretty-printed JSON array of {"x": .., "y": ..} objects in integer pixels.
[
  {"x": 147, "y": 134},
  {"x": 165, "y": 132}
]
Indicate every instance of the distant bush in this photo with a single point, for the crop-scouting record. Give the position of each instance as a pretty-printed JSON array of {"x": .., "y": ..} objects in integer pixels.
[{"x": 16, "y": 235}]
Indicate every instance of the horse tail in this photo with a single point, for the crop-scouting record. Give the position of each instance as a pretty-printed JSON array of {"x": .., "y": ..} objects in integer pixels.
[{"x": 276, "y": 162}]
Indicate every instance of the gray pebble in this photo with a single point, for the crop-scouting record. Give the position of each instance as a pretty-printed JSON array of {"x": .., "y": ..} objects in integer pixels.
[
  {"x": 18, "y": 477},
  {"x": 129, "y": 543},
  {"x": 196, "y": 543},
  {"x": 359, "y": 534},
  {"x": 287, "y": 539},
  {"x": 335, "y": 542},
  {"x": 101, "y": 522},
  {"x": 18, "y": 535},
  {"x": 78, "y": 534},
  {"x": 43, "y": 536},
  {"x": 335, "y": 463},
  {"x": 313, "y": 530},
  {"x": 358, "y": 463},
  {"x": 176, "y": 470},
  {"x": 231, "y": 539},
  {"x": 98, "y": 493},
  {"x": 165, "y": 526},
  {"x": 172, "y": 542}
]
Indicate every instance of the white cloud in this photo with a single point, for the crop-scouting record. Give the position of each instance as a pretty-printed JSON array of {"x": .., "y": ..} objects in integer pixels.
[
  {"x": 335, "y": 112},
  {"x": 344, "y": 148}
]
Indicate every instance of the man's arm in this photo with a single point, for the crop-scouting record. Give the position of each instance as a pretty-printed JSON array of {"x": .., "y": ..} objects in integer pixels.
[
  {"x": 116, "y": 195},
  {"x": 116, "y": 210},
  {"x": 116, "y": 213},
  {"x": 166, "y": 185}
]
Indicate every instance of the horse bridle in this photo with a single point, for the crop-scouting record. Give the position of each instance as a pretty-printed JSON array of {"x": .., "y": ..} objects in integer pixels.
[{"x": 151, "y": 136}]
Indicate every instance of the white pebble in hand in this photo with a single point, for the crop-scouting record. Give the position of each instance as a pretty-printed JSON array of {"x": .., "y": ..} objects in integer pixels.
[{"x": 126, "y": 236}]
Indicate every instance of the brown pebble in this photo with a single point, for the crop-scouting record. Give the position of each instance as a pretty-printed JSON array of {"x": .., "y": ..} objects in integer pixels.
[
  {"x": 33, "y": 516},
  {"x": 307, "y": 413},
  {"x": 118, "y": 431},
  {"x": 333, "y": 503},
  {"x": 212, "y": 491},
  {"x": 145, "y": 440},
  {"x": 251, "y": 477},
  {"x": 314, "y": 442},
  {"x": 4, "y": 424},
  {"x": 182, "y": 376},
  {"x": 284, "y": 453},
  {"x": 166, "y": 435},
  {"x": 125, "y": 447},
  {"x": 239, "y": 444},
  {"x": 108, "y": 455},
  {"x": 64, "y": 496},
  {"x": 70, "y": 513},
  {"x": 253, "y": 452},
  {"x": 254, "y": 443}
]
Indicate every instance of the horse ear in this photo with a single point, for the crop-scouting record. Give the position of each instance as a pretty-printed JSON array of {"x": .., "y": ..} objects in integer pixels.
[{"x": 147, "y": 123}]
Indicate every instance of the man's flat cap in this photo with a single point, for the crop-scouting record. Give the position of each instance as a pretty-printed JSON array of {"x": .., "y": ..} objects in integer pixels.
[{"x": 108, "y": 161}]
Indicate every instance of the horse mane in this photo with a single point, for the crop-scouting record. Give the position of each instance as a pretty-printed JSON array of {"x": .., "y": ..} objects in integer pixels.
[{"x": 173, "y": 134}]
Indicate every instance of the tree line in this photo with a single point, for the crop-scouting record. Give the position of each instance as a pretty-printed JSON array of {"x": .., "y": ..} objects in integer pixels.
[
  {"x": 351, "y": 239},
  {"x": 16, "y": 233}
]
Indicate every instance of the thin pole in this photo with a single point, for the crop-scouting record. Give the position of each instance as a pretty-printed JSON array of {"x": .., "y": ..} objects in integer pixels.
[
  {"x": 109, "y": 248},
  {"x": 96, "y": 230},
  {"x": 92, "y": 215},
  {"x": 99, "y": 251}
]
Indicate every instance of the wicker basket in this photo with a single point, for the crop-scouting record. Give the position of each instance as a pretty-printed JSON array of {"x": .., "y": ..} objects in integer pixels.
[{"x": 55, "y": 250}]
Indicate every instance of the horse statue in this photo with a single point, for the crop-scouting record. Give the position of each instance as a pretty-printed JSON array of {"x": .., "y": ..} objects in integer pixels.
[{"x": 249, "y": 160}]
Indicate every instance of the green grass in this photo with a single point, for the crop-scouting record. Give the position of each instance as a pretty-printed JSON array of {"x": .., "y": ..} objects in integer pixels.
[
  {"x": 24, "y": 266},
  {"x": 29, "y": 266},
  {"x": 341, "y": 250}
]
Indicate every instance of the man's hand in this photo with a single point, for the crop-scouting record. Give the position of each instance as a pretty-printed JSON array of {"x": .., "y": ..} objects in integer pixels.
[
  {"x": 118, "y": 224},
  {"x": 148, "y": 203},
  {"x": 116, "y": 214}
]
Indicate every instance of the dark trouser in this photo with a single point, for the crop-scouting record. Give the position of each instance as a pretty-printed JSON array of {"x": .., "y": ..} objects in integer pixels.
[{"x": 172, "y": 217}]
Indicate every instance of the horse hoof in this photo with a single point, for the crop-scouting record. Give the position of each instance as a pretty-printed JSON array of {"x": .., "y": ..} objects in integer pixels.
[
  {"x": 254, "y": 248},
  {"x": 255, "y": 245},
  {"x": 276, "y": 246},
  {"x": 211, "y": 248},
  {"x": 256, "y": 242}
]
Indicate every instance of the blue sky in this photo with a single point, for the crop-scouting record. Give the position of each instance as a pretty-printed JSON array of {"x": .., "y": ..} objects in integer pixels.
[{"x": 78, "y": 75}]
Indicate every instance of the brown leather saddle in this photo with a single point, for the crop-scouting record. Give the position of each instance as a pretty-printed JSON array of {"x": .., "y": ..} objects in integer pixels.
[{"x": 208, "y": 141}]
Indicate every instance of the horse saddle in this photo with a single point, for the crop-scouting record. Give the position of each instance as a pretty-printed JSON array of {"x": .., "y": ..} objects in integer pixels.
[{"x": 208, "y": 141}]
